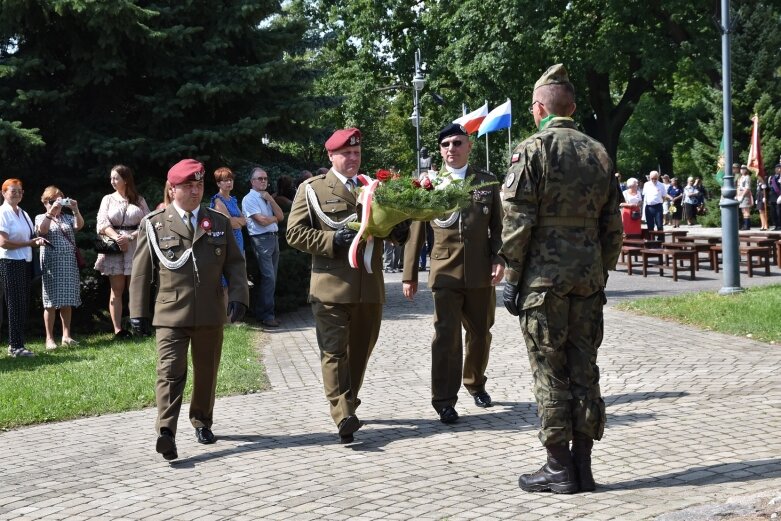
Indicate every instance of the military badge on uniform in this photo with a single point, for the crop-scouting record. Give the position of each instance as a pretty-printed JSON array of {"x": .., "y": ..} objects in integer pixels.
[
  {"x": 218, "y": 251},
  {"x": 485, "y": 210},
  {"x": 215, "y": 234},
  {"x": 169, "y": 254},
  {"x": 516, "y": 157},
  {"x": 158, "y": 226},
  {"x": 206, "y": 224},
  {"x": 510, "y": 179}
]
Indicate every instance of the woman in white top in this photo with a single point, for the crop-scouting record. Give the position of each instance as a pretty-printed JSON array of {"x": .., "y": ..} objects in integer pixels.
[
  {"x": 745, "y": 197},
  {"x": 630, "y": 208},
  {"x": 16, "y": 256},
  {"x": 118, "y": 218}
]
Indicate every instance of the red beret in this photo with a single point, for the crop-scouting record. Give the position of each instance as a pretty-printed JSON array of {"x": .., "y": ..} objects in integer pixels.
[
  {"x": 186, "y": 170},
  {"x": 346, "y": 137}
]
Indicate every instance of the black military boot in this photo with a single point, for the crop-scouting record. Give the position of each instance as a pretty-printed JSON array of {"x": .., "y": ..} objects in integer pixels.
[
  {"x": 557, "y": 475},
  {"x": 581, "y": 457}
]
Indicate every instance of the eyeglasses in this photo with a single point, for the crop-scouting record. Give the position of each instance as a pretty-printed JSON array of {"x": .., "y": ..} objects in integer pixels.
[
  {"x": 51, "y": 201},
  {"x": 531, "y": 107},
  {"x": 260, "y": 178},
  {"x": 456, "y": 143}
]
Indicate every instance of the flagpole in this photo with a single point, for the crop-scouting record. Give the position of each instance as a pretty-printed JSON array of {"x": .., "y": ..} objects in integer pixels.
[
  {"x": 487, "y": 164},
  {"x": 509, "y": 144}
]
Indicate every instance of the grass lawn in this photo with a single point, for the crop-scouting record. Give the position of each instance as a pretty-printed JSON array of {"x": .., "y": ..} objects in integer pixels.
[
  {"x": 102, "y": 376},
  {"x": 752, "y": 313}
]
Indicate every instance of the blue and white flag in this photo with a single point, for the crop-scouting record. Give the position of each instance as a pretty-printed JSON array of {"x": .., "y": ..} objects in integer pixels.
[{"x": 497, "y": 119}]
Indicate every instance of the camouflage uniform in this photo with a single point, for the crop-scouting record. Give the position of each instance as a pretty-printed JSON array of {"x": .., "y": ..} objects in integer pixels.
[{"x": 561, "y": 233}]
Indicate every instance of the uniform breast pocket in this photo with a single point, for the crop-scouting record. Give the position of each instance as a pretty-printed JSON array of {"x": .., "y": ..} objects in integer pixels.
[
  {"x": 169, "y": 244},
  {"x": 334, "y": 207},
  {"x": 440, "y": 253},
  {"x": 166, "y": 297}
]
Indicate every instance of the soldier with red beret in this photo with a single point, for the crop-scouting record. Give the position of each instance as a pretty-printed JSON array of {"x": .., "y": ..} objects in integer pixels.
[
  {"x": 346, "y": 302},
  {"x": 183, "y": 250}
]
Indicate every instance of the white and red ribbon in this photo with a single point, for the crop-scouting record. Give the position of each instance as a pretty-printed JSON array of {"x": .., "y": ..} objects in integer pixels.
[{"x": 365, "y": 199}]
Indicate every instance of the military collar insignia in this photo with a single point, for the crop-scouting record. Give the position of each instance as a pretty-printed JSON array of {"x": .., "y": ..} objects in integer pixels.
[{"x": 158, "y": 226}]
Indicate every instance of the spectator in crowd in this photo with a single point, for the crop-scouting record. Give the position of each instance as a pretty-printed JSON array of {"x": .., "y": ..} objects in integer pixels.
[
  {"x": 675, "y": 193},
  {"x": 263, "y": 216},
  {"x": 322, "y": 171},
  {"x": 666, "y": 203},
  {"x": 285, "y": 193},
  {"x": 462, "y": 281},
  {"x": 227, "y": 204},
  {"x": 654, "y": 196},
  {"x": 761, "y": 202},
  {"x": 59, "y": 269},
  {"x": 16, "y": 260},
  {"x": 773, "y": 198},
  {"x": 428, "y": 245},
  {"x": 621, "y": 184},
  {"x": 166, "y": 196},
  {"x": 631, "y": 216},
  {"x": 118, "y": 218},
  {"x": 702, "y": 197},
  {"x": 691, "y": 200},
  {"x": 392, "y": 256},
  {"x": 744, "y": 197}
]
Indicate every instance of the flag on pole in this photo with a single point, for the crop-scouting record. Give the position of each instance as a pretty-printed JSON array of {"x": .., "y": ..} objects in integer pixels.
[
  {"x": 497, "y": 119},
  {"x": 755, "y": 152},
  {"x": 720, "y": 172},
  {"x": 472, "y": 121}
]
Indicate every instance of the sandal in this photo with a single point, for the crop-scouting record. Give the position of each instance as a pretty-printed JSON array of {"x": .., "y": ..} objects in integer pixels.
[
  {"x": 69, "y": 342},
  {"x": 51, "y": 345}
]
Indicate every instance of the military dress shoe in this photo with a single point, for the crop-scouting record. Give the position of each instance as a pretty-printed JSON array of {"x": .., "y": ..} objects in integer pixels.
[
  {"x": 204, "y": 435},
  {"x": 270, "y": 322},
  {"x": 166, "y": 445},
  {"x": 448, "y": 414},
  {"x": 347, "y": 427},
  {"x": 482, "y": 399}
]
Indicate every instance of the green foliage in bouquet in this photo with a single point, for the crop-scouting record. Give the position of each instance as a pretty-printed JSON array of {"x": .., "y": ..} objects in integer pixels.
[{"x": 399, "y": 198}]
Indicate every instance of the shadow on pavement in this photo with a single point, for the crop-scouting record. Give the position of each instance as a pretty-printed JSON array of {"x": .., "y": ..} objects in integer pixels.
[{"x": 705, "y": 475}]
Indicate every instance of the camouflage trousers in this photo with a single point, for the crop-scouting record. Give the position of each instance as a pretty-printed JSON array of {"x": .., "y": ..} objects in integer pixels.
[{"x": 563, "y": 334}]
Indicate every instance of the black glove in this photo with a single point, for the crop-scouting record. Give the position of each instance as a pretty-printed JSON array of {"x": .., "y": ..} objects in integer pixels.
[
  {"x": 400, "y": 233},
  {"x": 510, "y": 298},
  {"x": 140, "y": 326},
  {"x": 236, "y": 311},
  {"x": 344, "y": 237}
]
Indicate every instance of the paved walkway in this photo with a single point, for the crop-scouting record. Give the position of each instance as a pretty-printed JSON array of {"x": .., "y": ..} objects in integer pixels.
[{"x": 693, "y": 433}]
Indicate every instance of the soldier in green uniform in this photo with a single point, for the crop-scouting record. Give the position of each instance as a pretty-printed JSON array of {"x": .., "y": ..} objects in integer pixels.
[
  {"x": 465, "y": 267},
  {"x": 183, "y": 250},
  {"x": 561, "y": 235},
  {"x": 346, "y": 302}
]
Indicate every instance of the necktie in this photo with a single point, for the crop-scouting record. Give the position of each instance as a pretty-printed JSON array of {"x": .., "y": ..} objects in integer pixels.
[
  {"x": 188, "y": 223},
  {"x": 351, "y": 184}
]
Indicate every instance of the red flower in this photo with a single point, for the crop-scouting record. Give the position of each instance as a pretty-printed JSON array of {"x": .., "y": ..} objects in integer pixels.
[
  {"x": 206, "y": 224},
  {"x": 427, "y": 184},
  {"x": 383, "y": 175},
  {"x": 415, "y": 183}
]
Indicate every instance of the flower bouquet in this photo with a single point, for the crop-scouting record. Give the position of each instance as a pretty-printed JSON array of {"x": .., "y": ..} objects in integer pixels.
[{"x": 391, "y": 199}]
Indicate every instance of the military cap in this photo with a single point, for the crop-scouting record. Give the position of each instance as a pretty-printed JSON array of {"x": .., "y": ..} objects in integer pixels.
[
  {"x": 453, "y": 129},
  {"x": 346, "y": 137},
  {"x": 186, "y": 170},
  {"x": 735, "y": 165},
  {"x": 555, "y": 75},
  {"x": 743, "y": 167}
]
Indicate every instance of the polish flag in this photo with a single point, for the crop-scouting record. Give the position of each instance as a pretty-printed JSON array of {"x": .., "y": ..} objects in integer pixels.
[
  {"x": 755, "y": 152},
  {"x": 471, "y": 122}
]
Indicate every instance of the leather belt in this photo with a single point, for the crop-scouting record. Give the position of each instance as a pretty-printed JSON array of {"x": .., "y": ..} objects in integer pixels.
[{"x": 576, "y": 222}]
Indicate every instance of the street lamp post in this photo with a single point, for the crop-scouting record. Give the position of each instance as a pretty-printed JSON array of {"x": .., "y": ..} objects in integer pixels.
[
  {"x": 417, "y": 83},
  {"x": 728, "y": 204}
]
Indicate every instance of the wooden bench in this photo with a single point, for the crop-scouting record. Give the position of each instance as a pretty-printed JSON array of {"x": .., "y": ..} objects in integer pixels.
[
  {"x": 628, "y": 253},
  {"x": 762, "y": 253},
  {"x": 693, "y": 246},
  {"x": 667, "y": 255}
]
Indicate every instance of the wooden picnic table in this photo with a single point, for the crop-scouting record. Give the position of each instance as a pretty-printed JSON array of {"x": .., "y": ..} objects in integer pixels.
[
  {"x": 761, "y": 253},
  {"x": 661, "y": 234},
  {"x": 665, "y": 255}
]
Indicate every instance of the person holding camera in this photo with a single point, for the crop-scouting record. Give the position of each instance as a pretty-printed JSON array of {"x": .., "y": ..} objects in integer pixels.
[
  {"x": 59, "y": 268},
  {"x": 118, "y": 218}
]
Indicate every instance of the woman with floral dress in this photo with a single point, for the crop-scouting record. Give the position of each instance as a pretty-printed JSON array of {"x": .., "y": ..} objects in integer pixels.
[
  {"x": 118, "y": 218},
  {"x": 59, "y": 270}
]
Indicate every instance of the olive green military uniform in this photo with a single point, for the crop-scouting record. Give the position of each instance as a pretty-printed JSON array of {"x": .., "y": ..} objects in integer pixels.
[
  {"x": 346, "y": 302},
  {"x": 562, "y": 233},
  {"x": 462, "y": 259},
  {"x": 189, "y": 307}
]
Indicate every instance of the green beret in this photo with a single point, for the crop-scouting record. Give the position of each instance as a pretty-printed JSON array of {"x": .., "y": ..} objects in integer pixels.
[{"x": 555, "y": 75}]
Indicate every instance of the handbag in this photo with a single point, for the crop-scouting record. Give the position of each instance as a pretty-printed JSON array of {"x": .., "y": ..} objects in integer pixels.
[
  {"x": 106, "y": 245},
  {"x": 36, "y": 262},
  {"x": 79, "y": 257},
  {"x": 635, "y": 215}
]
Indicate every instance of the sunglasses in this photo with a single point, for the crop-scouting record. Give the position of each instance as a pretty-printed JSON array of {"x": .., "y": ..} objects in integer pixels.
[{"x": 456, "y": 143}]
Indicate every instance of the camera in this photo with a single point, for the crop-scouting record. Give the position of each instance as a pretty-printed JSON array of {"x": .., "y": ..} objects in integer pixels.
[{"x": 65, "y": 201}]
